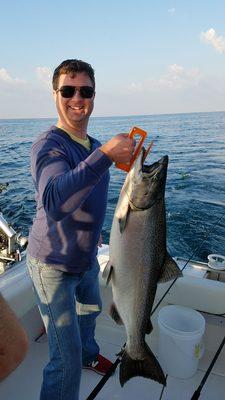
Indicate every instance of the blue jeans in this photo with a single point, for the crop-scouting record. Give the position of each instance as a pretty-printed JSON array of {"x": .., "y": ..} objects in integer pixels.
[{"x": 69, "y": 305}]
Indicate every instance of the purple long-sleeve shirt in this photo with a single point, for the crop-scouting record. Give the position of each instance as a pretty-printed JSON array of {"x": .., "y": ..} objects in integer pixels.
[{"x": 71, "y": 185}]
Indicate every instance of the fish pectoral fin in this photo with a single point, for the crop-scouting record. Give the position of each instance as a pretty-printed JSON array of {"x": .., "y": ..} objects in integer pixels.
[
  {"x": 113, "y": 312},
  {"x": 170, "y": 270},
  {"x": 107, "y": 272},
  {"x": 148, "y": 367},
  {"x": 122, "y": 218}
]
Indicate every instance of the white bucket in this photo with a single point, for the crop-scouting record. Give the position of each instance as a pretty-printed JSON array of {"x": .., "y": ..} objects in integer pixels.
[{"x": 180, "y": 340}]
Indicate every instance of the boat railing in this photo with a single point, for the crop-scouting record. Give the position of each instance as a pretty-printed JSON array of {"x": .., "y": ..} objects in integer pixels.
[{"x": 11, "y": 245}]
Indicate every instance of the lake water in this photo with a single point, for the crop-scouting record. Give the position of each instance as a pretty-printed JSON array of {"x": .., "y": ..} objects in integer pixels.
[{"x": 195, "y": 190}]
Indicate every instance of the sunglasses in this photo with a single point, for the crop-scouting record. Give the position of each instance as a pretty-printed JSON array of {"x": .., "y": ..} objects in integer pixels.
[{"x": 86, "y": 92}]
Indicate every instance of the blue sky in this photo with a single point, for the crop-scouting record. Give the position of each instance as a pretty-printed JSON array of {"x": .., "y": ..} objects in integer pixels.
[{"x": 150, "y": 57}]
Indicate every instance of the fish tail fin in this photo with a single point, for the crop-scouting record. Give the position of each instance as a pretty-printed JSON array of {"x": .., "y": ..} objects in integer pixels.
[{"x": 148, "y": 367}]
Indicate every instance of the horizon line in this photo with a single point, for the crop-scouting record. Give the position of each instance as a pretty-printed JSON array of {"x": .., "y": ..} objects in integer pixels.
[{"x": 116, "y": 116}]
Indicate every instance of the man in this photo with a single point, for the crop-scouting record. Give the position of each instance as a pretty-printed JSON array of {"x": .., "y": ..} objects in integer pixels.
[
  {"x": 13, "y": 340},
  {"x": 70, "y": 174}
]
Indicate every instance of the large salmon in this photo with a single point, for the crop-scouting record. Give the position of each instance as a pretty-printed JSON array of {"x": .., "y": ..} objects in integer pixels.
[{"x": 138, "y": 261}]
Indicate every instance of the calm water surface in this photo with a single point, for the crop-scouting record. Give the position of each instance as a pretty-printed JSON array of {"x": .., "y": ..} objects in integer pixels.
[{"x": 195, "y": 191}]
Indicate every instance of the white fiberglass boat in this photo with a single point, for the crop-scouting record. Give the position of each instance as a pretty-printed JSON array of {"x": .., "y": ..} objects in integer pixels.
[{"x": 201, "y": 288}]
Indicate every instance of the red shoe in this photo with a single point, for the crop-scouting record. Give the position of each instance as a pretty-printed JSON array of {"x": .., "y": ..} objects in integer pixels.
[{"x": 101, "y": 365}]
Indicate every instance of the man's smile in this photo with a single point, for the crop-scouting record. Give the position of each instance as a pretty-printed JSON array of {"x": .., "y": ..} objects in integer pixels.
[{"x": 76, "y": 107}]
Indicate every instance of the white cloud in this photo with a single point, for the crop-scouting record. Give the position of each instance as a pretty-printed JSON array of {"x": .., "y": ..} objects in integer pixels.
[
  {"x": 171, "y": 93},
  {"x": 176, "y": 69},
  {"x": 5, "y": 77},
  {"x": 211, "y": 37},
  {"x": 25, "y": 99},
  {"x": 176, "y": 78},
  {"x": 44, "y": 74},
  {"x": 171, "y": 11}
]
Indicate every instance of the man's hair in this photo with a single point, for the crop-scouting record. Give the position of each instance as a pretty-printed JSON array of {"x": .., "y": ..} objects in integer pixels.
[{"x": 72, "y": 67}]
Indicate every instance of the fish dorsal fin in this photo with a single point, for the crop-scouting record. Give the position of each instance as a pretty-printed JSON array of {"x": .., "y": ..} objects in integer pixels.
[
  {"x": 170, "y": 270},
  {"x": 107, "y": 272}
]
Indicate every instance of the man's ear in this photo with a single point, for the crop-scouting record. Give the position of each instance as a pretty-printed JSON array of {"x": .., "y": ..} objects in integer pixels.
[{"x": 54, "y": 95}]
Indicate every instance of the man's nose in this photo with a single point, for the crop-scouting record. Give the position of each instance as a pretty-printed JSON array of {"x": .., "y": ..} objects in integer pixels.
[{"x": 77, "y": 93}]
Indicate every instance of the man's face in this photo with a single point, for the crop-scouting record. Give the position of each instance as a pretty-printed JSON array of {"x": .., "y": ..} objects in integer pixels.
[{"x": 74, "y": 112}]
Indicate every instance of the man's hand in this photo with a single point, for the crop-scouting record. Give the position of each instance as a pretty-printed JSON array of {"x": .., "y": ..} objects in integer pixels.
[{"x": 120, "y": 148}]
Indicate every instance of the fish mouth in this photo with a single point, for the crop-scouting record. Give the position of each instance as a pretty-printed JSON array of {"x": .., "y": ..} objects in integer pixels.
[{"x": 156, "y": 167}]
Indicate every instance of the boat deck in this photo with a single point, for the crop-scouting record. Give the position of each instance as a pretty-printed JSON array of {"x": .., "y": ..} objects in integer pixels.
[{"x": 24, "y": 383}]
